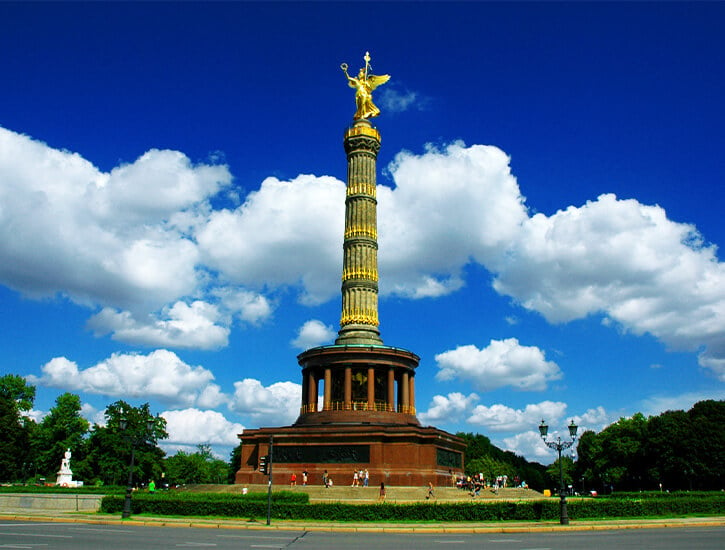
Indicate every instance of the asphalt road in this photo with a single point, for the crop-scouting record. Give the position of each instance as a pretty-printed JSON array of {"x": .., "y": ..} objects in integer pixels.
[{"x": 79, "y": 536}]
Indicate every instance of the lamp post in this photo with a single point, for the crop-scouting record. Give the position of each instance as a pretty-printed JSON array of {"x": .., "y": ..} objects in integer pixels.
[
  {"x": 134, "y": 440},
  {"x": 559, "y": 446}
]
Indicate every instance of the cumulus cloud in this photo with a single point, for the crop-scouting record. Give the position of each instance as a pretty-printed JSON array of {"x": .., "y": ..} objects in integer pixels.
[
  {"x": 627, "y": 261},
  {"x": 187, "y": 326},
  {"x": 500, "y": 418},
  {"x": 658, "y": 404},
  {"x": 288, "y": 233},
  {"x": 98, "y": 237},
  {"x": 277, "y": 404},
  {"x": 501, "y": 363},
  {"x": 449, "y": 205},
  {"x": 448, "y": 409},
  {"x": 529, "y": 444},
  {"x": 159, "y": 375},
  {"x": 313, "y": 333},
  {"x": 397, "y": 101},
  {"x": 195, "y": 427}
]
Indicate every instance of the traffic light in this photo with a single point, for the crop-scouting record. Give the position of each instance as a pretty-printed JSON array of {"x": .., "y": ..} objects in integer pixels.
[{"x": 263, "y": 464}]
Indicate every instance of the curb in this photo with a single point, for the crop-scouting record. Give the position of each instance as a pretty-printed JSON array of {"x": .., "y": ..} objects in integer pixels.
[{"x": 587, "y": 525}]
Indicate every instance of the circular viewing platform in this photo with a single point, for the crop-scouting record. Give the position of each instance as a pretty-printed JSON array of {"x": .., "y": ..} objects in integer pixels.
[{"x": 362, "y": 384}]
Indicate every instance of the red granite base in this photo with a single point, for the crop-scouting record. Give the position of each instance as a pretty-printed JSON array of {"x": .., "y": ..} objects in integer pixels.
[{"x": 406, "y": 455}]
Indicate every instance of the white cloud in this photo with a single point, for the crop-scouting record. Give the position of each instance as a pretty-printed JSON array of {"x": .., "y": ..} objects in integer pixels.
[
  {"x": 448, "y": 409},
  {"x": 448, "y": 206},
  {"x": 248, "y": 307},
  {"x": 192, "y": 325},
  {"x": 159, "y": 375},
  {"x": 502, "y": 363},
  {"x": 93, "y": 415},
  {"x": 34, "y": 414},
  {"x": 396, "y": 101},
  {"x": 658, "y": 404},
  {"x": 99, "y": 237},
  {"x": 500, "y": 418},
  {"x": 195, "y": 427},
  {"x": 288, "y": 233},
  {"x": 313, "y": 333},
  {"x": 628, "y": 261},
  {"x": 277, "y": 404},
  {"x": 529, "y": 445}
]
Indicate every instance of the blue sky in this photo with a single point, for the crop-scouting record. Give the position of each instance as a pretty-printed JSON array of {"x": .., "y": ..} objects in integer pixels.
[{"x": 550, "y": 197}]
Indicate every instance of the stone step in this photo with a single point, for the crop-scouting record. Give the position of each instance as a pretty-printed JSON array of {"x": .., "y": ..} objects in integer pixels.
[{"x": 337, "y": 493}]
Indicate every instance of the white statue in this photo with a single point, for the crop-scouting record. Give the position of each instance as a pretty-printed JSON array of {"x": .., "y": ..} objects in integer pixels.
[{"x": 65, "y": 475}]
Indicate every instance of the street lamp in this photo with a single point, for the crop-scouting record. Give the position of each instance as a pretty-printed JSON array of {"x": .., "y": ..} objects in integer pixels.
[
  {"x": 134, "y": 440},
  {"x": 560, "y": 445}
]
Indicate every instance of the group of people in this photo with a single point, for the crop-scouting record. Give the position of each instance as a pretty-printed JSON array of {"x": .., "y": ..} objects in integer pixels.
[
  {"x": 475, "y": 483},
  {"x": 293, "y": 478},
  {"x": 360, "y": 478}
]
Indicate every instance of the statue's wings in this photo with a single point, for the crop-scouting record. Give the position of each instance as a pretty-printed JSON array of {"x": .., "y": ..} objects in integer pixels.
[{"x": 376, "y": 80}]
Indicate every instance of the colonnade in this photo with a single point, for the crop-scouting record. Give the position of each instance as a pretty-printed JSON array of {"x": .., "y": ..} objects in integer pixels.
[{"x": 351, "y": 388}]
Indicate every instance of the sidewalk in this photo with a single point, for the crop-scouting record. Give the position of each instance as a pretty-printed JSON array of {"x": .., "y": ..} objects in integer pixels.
[{"x": 467, "y": 527}]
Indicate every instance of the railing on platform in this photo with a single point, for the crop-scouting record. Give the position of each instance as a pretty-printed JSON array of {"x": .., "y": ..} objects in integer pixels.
[{"x": 380, "y": 406}]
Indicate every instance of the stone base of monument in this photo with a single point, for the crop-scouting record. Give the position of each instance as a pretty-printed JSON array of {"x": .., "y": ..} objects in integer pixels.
[{"x": 397, "y": 455}]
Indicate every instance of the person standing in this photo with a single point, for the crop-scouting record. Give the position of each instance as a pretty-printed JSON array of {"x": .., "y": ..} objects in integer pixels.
[
  {"x": 381, "y": 496},
  {"x": 293, "y": 480},
  {"x": 366, "y": 478},
  {"x": 430, "y": 494},
  {"x": 325, "y": 480}
]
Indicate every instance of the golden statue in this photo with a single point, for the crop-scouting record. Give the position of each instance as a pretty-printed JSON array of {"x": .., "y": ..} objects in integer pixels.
[{"x": 364, "y": 85}]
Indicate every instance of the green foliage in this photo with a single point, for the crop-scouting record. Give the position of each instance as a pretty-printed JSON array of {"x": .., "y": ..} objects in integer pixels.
[
  {"x": 235, "y": 462},
  {"x": 567, "y": 472},
  {"x": 14, "y": 442},
  {"x": 484, "y": 457},
  {"x": 255, "y": 506},
  {"x": 193, "y": 468},
  {"x": 16, "y": 389},
  {"x": 63, "y": 428},
  {"x": 109, "y": 446},
  {"x": 677, "y": 449}
]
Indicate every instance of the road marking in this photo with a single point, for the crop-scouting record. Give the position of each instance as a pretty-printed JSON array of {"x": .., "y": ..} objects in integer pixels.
[
  {"x": 32, "y": 535},
  {"x": 505, "y": 541},
  {"x": 100, "y": 530},
  {"x": 450, "y": 541},
  {"x": 195, "y": 544},
  {"x": 252, "y": 537}
]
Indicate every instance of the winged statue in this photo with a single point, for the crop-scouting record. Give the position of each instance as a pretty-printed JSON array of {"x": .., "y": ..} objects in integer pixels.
[{"x": 364, "y": 85}]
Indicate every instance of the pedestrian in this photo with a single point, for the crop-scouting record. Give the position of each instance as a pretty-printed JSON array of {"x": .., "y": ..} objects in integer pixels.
[
  {"x": 152, "y": 486},
  {"x": 355, "y": 479},
  {"x": 293, "y": 480},
  {"x": 381, "y": 496},
  {"x": 304, "y": 477},
  {"x": 366, "y": 478},
  {"x": 326, "y": 479},
  {"x": 430, "y": 494}
]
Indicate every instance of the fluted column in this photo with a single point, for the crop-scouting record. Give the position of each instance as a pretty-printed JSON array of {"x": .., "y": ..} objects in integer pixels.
[
  {"x": 411, "y": 397},
  {"x": 359, "y": 318},
  {"x": 406, "y": 392},
  {"x": 328, "y": 389},
  {"x": 311, "y": 390},
  {"x": 348, "y": 388},
  {"x": 371, "y": 388},
  {"x": 391, "y": 389}
]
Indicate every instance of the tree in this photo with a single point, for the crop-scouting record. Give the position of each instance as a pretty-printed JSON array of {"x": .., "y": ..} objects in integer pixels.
[
  {"x": 16, "y": 389},
  {"x": 109, "y": 446},
  {"x": 16, "y": 397},
  {"x": 235, "y": 462},
  {"x": 199, "y": 467},
  {"x": 63, "y": 428},
  {"x": 567, "y": 470}
]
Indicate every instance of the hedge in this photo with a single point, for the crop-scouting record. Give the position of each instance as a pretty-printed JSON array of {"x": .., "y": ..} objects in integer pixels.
[
  {"x": 244, "y": 507},
  {"x": 85, "y": 490}
]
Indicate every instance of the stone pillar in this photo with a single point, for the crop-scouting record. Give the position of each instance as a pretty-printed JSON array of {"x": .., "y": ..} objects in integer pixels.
[
  {"x": 359, "y": 319},
  {"x": 411, "y": 397},
  {"x": 348, "y": 388},
  {"x": 406, "y": 392},
  {"x": 328, "y": 389},
  {"x": 391, "y": 389},
  {"x": 311, "y": 391},
  {"x": 371, "y": 388}
]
